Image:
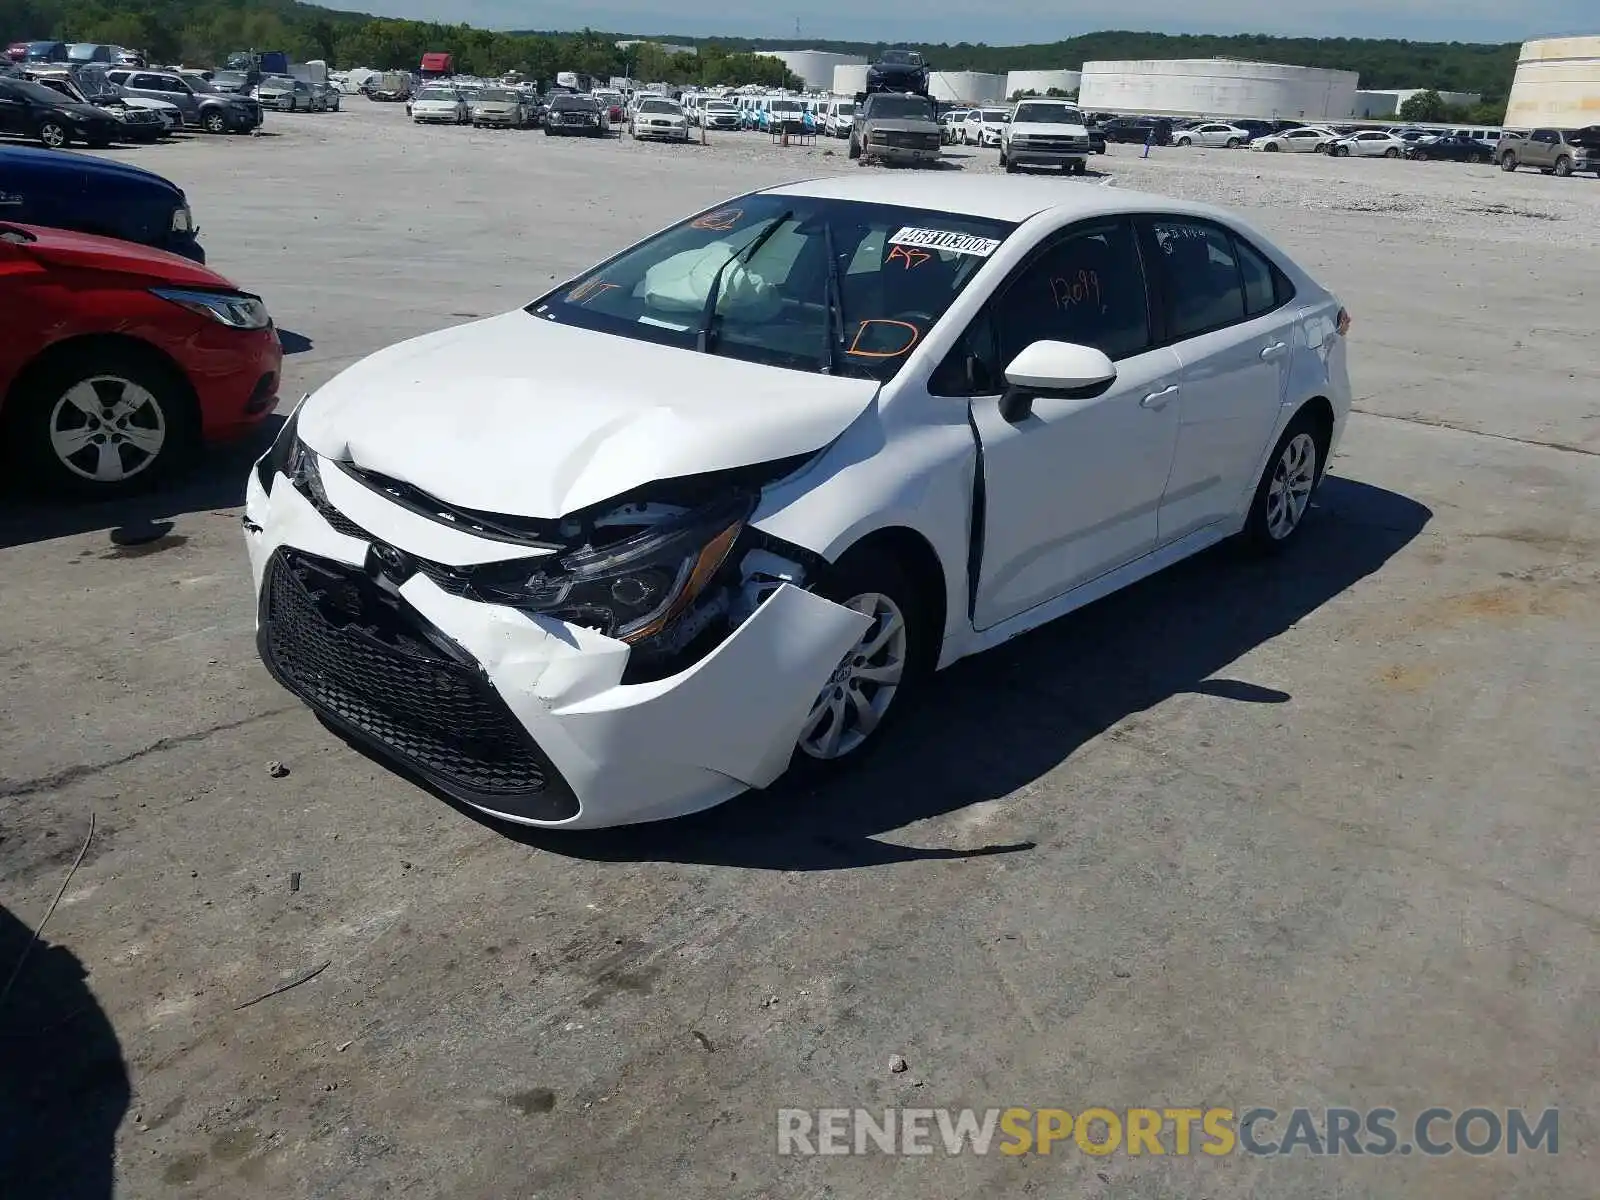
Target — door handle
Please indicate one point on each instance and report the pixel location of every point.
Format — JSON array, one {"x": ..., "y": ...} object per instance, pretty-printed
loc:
[
  {"x": 1159, "y": 400},
  {"x": 1275, "y": 349}
]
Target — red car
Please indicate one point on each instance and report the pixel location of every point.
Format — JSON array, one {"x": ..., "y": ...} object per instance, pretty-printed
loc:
[{"x": 118, "y": 360}]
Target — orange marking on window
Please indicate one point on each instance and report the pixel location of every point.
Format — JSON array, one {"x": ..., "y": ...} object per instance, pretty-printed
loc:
[
  {"x": 862, "y": 328},
  {"x": 720, "y": 221},
  {"x": 1069, "y": 293},
  {"x": 911, "y": 257}
]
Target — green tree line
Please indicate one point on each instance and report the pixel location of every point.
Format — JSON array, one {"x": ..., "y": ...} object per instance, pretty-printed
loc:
[{"x": 206, "y": 31}]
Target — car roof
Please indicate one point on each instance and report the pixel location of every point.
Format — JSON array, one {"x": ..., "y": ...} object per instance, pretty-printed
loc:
[{"x": 999, "y": 198}]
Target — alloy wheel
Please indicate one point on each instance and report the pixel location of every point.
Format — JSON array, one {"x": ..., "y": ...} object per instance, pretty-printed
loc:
[
  {"x": 853, "y": 702},
  {"x": 107, "y": 429},
  {"x": 1290, "y": 490},
  {"x": 53, "y": 135}
]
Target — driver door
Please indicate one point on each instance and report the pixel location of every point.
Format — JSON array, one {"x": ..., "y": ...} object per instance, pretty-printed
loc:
[{"x": 1072, "y": 489}]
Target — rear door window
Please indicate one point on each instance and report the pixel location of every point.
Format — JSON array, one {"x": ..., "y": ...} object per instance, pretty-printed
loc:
[{"x": 1202, "y": 283}]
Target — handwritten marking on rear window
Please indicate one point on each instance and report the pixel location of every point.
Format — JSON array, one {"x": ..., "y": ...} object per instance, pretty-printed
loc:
[
  {"x": 946, "y": 240},
  {"x": 1071, "y": 292},
  {"x": 720, "y": 221},
  {"x": 909, "y": 255}
]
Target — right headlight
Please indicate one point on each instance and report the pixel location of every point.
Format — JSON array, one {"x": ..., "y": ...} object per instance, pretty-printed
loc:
[
  {"x": 633, "y": 588},
  {"x": 236, "y": 310}
]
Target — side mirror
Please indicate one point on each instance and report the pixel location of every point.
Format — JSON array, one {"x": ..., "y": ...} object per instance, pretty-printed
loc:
[{"x": 1064, "y": 370}]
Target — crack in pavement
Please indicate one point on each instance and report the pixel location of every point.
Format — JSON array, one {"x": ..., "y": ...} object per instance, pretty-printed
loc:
[
  {"x": 12, "y": 789},
  {"x": 1435, "y": 423}
]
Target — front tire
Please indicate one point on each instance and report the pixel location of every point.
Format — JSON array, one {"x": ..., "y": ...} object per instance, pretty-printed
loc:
[
  {"x": 1563, "y": 166},
  {"x": 1391, "y": 152},
  {"x": 1270, "y": 148},
  {"x": 1508, "y": 161},
  {"x": 877, "y": 678},
  {"x": 1185, "y": 142},
  {"x": 855, "y": 148},
  {"x": 102, "y": 424},
  {"x": 53, "y": 135},
  {"x": 1283, "y": 495},
  {"x": 214, "y": 122}
]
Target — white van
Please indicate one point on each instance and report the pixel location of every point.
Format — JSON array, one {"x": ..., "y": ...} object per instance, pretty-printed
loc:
[{"x": 838, "y": 117}]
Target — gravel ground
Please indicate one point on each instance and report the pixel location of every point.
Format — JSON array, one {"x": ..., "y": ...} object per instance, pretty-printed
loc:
[{"x": 1314, "y": 833}]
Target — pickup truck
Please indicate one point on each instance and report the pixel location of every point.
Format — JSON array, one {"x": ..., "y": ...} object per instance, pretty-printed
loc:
[
  {"x": 896, "y": 128},
  {"x": 1553, "y": 151},
  {"x": 1045, "y": 133}
]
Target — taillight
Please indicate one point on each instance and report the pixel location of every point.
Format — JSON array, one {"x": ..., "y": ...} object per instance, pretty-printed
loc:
[{"x": 1344, "y": 322}]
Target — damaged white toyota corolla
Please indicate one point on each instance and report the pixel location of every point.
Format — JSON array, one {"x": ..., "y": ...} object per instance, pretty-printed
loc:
[{"x": 724, "y": 501}]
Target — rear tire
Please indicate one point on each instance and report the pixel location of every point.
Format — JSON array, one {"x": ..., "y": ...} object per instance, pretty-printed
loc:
[
  {"x": 1283, "y": 496},
  {"x": 1270, "y": 148},
  {"x": 53, "y": 135},
  {"x": 62, "y": 445},
  {"x": 1508, "y": 161},
  {"x": 1233, "y": 143}
]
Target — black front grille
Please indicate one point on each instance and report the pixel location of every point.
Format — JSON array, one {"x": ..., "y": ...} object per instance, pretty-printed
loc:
[
  {"x": 912, "y": 141},
  {"x": 368, "y": 661},
  {"x": 1035, "y": 141}
]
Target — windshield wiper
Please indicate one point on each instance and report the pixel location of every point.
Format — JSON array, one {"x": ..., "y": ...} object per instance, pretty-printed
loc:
[
  {"x": 833, "y": 316},
  {"x": 708, "y": 314}
]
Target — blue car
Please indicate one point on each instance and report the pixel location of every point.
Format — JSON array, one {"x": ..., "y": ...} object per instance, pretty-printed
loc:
[{"x": 96, "y": 195}]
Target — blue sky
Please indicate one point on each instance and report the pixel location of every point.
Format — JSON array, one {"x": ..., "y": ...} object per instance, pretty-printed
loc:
[{"x": 1008, "y": 22}]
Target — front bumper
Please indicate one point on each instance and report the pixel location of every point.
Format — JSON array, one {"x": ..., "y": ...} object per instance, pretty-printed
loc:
[
  {"x": 521, "y": 717},
  {"x": 916, "y": 155},
  {"x": 235, "y": 374},
  {"x": 663, "y": 133}
]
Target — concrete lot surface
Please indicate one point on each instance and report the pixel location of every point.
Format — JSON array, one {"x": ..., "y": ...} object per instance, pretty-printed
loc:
[{"x": 1316, "y": 832}]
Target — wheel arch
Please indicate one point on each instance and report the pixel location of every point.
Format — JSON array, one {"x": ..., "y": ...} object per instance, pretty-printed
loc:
[
  {"x": 99, "y": 343},
  {"x": 1319, "y": 409},
  {"x": 913, "y": 552}
]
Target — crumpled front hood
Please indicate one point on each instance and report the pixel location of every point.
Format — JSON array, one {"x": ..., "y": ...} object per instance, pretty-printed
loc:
[{"x": 521, "y": 416}]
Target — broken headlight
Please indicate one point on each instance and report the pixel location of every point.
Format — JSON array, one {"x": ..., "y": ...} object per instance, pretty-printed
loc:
[{"x": 633, "y": 588}]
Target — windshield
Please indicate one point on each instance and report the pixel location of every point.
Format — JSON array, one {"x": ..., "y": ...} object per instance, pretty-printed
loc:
[
  {"x": 659, "y": 106},
  {"x": 437, "y": 94},
  {"x": 784, "y": 106},
  {"x": 897, "y": 271},
  {"x": 569, "y": 103},
  {"x": 995, "y": 116},
  {"x": 94, "y": 82},
  {"x": 498, "y": 95},
  {"x": 902, "y": 107},
  {"x": 1059, "y": 114},
  {"x": 901, "y": 58},
  {"x": 845, "y": 110},
  {"x": 199, "y": 83}
]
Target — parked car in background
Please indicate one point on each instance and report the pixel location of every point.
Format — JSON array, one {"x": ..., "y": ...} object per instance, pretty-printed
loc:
[
  {"x": 202, "y": 104},
  {"x": 1450, "y": 148},
  {"x": 1305, "y": 139},
  {"x": 837, "y": 118},
  {"x": 121, "y": 360},
  {"x": 139, "y": 124},
  {"x": 615, "y": 106},
  {"x": 896, "y": 127},
  {"x": 325, "y": 97},
  {"x": 93, "y": 52},
  {"x": 1157, "y": 131},
  {"x": 440, "y": 104},
  {"x": 500, "y": 107},
  {"x": 1212, "y": 133},
  {"x": 285, "y": 94},
  {"x": 232, "y": 83},
  {"x": 898, "y": 70},
  {"x": 983, "y": 126},
  {"x": 573, "y": 115},
  {"x": 92, "y": 194},
  {"x": 31, "y": 110},
  {"x": 719, "y": 507},
  {"x": 663, "y": 120},
  {"x": 719, "y": 114},
  {"x": 1368, "y": 143},
  {"x": 1045, "y": 133},
  {"x": 45, "y": 51},
  {"x": 950, "y": 124},
  {"x": 1553, "y": 151}
]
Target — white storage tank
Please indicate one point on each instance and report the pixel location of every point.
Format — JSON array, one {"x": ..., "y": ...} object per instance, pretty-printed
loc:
[
  {"x": 1557, "y": 85},
  {"x": 966, "y": 87},
  {"x": 815, "y": 67},
  {"x": 849, "y": 80},
  {"x": 1217, "y": 87},
  {"x": 1042, "y": 82}
]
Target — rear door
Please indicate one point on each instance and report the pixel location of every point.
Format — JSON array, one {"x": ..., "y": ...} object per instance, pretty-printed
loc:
[{"x": 1227, "y": 313}]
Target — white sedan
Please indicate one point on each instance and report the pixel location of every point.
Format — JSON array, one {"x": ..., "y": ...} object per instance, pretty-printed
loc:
[
  {"x": 714, "y": 510},
  {"x": 1308, "y": 139},
  {"x": 1212, "y": 133},
  {"x": 662, "y": 119},
  {"x": 440, "y": 106},
  {"x": 1368, "y": 143}
]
